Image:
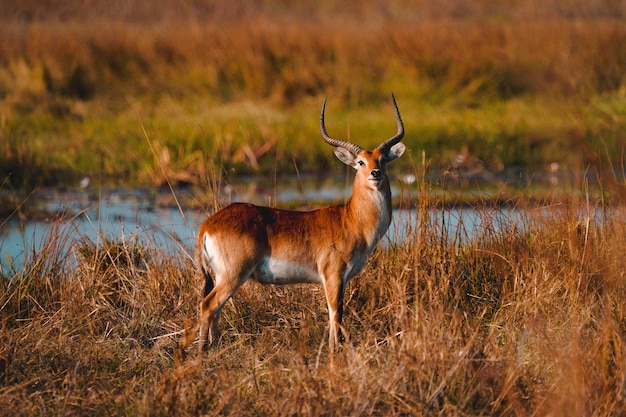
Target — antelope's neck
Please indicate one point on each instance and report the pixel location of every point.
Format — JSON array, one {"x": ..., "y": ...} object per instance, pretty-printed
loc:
[{"x": 371, "y": 210}]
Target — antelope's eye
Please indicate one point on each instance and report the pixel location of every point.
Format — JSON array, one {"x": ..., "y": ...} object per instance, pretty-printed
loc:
[{"x": 361, "y": 163}]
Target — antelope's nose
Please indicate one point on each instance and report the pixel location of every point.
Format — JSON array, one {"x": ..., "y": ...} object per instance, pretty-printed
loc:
[{"x": 376, "y": 174}]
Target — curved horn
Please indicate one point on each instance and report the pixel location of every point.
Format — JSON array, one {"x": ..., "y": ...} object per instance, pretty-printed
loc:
[
  {"x": 334, "y": 142},
  {"x": 386, "y": 145}
]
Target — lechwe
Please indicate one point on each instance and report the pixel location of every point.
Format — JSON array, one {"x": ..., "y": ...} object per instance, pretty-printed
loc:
[{"x": 328, "y": 246}]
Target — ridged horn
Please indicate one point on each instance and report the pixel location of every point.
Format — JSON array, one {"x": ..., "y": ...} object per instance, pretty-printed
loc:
[
  {"x": 354, "y": 149},
  {"x": 386, "y": 145}
]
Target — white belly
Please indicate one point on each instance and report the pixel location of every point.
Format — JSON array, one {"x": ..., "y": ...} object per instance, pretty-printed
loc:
[{"x": 277, "y": 271}]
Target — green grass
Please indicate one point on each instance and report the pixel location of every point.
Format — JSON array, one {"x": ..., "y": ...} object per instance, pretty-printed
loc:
[{"x": 530, "y": 133}]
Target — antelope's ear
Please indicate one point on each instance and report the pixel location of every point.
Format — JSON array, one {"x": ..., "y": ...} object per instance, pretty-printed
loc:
[
  {"x": 345, "y": 156},
  {"x": 395, "y": 152}
]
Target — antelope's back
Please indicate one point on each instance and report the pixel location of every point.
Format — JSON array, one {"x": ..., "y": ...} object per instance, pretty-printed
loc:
[{"x": 240, "y": 222}]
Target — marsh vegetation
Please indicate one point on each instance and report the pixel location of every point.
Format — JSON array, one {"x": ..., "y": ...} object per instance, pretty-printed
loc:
[
  {"x": 527, "y": 317},
  {"x": 138, "y": 93}
]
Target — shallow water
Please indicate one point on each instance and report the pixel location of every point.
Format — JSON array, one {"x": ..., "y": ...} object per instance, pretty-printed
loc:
[
  {"x": 117, "y": 215},
  {"x": 137, "y": 216}
]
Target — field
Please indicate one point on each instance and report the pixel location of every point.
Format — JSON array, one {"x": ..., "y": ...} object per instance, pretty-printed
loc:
[
  {"x": 86, "y": 89},
  {"x": 524, "y": 318}
]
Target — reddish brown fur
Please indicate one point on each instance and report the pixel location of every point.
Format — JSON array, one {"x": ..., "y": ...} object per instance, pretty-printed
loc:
[{"x": 327, "y": 246}]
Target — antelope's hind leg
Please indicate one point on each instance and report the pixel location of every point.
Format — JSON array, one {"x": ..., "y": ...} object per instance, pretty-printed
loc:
[
  {"x": 211, "y": 308},
  {"x": 202, "y": 275}
]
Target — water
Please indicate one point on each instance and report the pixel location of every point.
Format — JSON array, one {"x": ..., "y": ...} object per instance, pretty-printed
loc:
[
  {"x": 117, "y": 215},
  {"x": 138, "y": 216}
]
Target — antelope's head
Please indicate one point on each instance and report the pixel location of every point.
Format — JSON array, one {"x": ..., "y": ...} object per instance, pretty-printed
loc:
[{"x": 370, "y": 165}]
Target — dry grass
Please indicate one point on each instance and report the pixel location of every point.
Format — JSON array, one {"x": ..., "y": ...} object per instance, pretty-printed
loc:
[
  {"x": 291, "y": 54},
  {"x": 527, "y": 318}
]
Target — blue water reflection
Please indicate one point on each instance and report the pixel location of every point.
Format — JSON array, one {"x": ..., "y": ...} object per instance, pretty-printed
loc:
[{"x": 124, "y": 215}]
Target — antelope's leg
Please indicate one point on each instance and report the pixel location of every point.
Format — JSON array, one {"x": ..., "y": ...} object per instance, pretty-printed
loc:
[
  {"x": 211, "y": 307},
  {"x": 334, "y": 288}
]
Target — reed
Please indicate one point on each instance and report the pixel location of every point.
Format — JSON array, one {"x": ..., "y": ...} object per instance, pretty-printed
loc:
[
  {"x": 524, "y": 317},
  {"x": 518, "y": 85}
]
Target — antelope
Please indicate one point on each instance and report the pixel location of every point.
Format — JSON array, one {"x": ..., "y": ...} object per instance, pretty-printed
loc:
[{"x": 327, "y": 246}]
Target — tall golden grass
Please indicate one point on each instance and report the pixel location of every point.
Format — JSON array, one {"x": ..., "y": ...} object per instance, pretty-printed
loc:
[
  {"x": 524, "y": 318},
  {"x": 292, "y": 54}
]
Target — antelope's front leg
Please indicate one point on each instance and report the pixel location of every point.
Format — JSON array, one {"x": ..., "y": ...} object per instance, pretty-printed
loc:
[{"x": 334, "y": 289}]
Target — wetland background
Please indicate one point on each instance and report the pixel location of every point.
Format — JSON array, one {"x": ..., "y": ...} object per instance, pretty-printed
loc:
[
  {"x": 514, "y": 103},
  {"x": 137, "y": 93}
]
